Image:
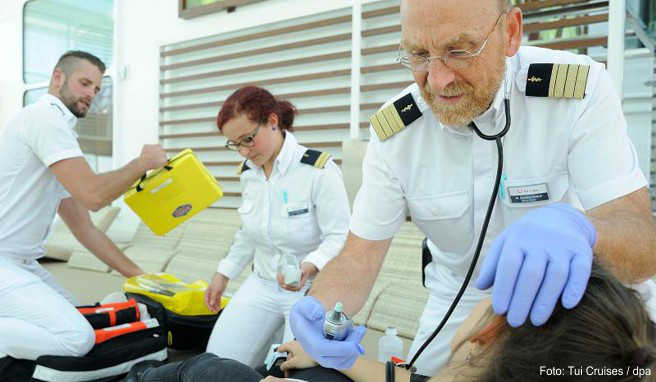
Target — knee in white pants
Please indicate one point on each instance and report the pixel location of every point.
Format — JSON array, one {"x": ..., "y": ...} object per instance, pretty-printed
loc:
[{"x": 77, "y": 341}]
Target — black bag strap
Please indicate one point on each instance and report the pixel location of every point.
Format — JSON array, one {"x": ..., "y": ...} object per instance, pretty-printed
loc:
[{"x": 144, "y": 176}]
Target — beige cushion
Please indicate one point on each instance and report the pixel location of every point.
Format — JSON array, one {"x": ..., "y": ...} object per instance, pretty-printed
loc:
[
  {"x": 205, "y": 240},
  {"x": 410, "y": 231},
  {"x": 60, "y": 249},
  {"x": 364, "y": 314},
  {"x": 149, "y": 259},
  {"x": 402, "y": 263},
  {"x": 398, "y": 298},
  {"x": 83, "y": 259},
  {"x": 103, "y": 218},
  {"x": 146, "y": 238},
  {"x": 219, "y": 216},
  {"x": 191, "y": 269},
  {"x": 401, "y": 306},
  {"x": 61, "y": 242}
]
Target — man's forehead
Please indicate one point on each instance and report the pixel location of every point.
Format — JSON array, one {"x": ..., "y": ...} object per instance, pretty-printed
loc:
[
  {"x": 434, "y": 24},
  {"x": 413, "y": 43},
  {"x": 82, "y": 65},
  {"x": 435, "y": 13},
  {"x": 465, "y": 6},
  {"x": 87, "y": 70}
]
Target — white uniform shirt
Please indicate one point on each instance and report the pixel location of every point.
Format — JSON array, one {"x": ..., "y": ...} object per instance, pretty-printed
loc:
[
  {"x": 38, "y": 136},
  {"x": 310, "y": 222},
  {"x": 559, "y": 150}
]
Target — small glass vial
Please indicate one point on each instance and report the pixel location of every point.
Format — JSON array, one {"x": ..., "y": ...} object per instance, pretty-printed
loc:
[
  {"x": 337, "y": 325},
  {"x": 289, "y": 269}
]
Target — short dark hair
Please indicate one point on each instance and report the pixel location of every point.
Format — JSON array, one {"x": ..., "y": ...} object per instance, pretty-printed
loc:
[{"x": 68, "y": 60}]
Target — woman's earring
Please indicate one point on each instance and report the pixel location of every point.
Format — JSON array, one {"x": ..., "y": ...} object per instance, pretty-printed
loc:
[{"x": 274, "y": 127}]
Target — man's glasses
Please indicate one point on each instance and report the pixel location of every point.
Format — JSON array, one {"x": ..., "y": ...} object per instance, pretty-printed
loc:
[
  {"x": 247, "y": 141},
  {"x": 456, "y": 59}
]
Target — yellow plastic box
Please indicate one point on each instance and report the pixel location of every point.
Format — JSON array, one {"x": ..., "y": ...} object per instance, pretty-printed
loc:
[
  {"x": 171, "y": 195},
  {"x": 186, "y": 299}
]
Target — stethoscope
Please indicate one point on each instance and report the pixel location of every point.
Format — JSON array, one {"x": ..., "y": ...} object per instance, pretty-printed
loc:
[{"x": 495, "y": 191}]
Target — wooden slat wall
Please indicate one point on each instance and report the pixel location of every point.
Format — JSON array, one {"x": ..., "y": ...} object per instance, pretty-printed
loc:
[
  {"x": 307, "y": 61},
  {"x": 577, "y": 25},
  {"x": 381, "y": 77}
]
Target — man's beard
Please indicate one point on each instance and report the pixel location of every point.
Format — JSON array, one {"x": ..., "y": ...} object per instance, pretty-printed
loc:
[
  {"x": 474, "y": 101},
  {"x": 71, "y": 102}
]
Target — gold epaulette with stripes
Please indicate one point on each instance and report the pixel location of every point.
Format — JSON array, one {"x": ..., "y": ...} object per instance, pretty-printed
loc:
[
  {"x": 242, "y": 167},
  {"x": 557, "y": 80},
  {"x": 395, "y": 117},
  {"x": 315, "y": 158}
]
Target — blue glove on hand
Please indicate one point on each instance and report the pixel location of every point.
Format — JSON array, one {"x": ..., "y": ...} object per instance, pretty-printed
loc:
[
  {"x": 546, "y": 253},
  {"x": 306, "y": 320}
]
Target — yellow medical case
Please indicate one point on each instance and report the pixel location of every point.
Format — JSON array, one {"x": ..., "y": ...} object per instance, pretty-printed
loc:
[
  {"x": 173, "y": 194},
  {"x": 186, "y": 299},
  {"x": 187, "y": 319}
]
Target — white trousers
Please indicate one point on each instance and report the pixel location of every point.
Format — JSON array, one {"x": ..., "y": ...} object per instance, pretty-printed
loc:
[
  {"x": 37, "y": 315},
  {"x": 246, "y": 327}
]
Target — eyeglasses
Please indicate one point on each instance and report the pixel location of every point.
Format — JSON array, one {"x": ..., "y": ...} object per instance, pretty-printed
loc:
[
  {"x": 457, "y": 59},
  {"x": 247, "y": 141}
]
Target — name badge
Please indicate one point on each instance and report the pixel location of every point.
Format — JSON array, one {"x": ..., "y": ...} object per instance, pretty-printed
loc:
[
  {"x": 297, "y": 212},
  {"x": 296, "y": 209},
  {"x": 529, "y": 194}
]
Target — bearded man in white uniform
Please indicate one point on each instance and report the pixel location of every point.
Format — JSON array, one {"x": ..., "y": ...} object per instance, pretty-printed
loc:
[
  {"x": 571, "y": 187},
  {"x": 43, "y": 172}
]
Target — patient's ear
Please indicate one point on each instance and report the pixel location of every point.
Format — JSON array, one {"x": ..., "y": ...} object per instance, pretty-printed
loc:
[{"x": 477, "y": 320}]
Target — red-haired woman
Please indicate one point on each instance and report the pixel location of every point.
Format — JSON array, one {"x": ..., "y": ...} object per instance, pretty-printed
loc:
[{"x": 294, "y": 204}]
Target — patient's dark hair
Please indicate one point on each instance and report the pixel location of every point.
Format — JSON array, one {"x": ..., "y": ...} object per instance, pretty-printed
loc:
[{"x": 608, "y": 332}]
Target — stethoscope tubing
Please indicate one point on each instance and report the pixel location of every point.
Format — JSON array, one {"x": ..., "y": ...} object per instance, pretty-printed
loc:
[{"x": 495, "y": 191}]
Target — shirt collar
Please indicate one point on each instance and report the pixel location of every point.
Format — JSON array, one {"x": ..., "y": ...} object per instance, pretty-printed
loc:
[
  {"x": 287, "y": 153},
  {"x": 70, "y": 119}
]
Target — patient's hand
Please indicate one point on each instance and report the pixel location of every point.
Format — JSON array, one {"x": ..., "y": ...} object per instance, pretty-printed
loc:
[{"x": 297, "y": 358}]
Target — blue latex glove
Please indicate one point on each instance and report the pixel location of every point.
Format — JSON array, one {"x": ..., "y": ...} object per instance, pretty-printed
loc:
[
  {"x": 546, "y": 253},
  {"x": 306, "y": 320}
]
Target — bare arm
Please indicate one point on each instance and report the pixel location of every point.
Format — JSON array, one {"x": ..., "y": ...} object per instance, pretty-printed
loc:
[
  {"x": 349, "y": 277},
  {"x": 363, "y": 370},
  {"x": 77, "y": 218},
  {"x": 95, "y": 191},
  {"x": 626, "y": 236},
  {"x": 366, "y": 370}
]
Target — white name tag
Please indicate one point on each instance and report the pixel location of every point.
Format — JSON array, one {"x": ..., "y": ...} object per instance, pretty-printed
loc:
[
  {"x": 528, "y": 194},
  {"x": 296, "y": 209}
]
